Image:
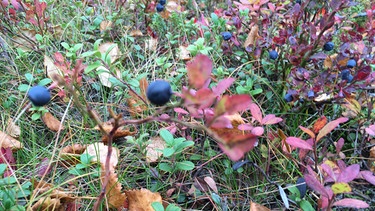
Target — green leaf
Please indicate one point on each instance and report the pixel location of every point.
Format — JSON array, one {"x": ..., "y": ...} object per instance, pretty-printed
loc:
[
  {"x": 35, "y": 116},
  {"x": 17, "y": 208},
  {"x": 44, "y": 82},
  {"x": 92, "y": 66},
  {"x": 86, "y": 158},
  {"x": 81, "y": 166},
  {"x": 88, "y": 53},
  {"x": 38, "y": 37},
  {"x": 65, "y": 45},
  {"x": 216, "y": 198},
  {"x": 166, "y": 136},
  {"x": 214, "y": 18},
  {"x": 306, "y": 206},
  {"x": 172, "y": 207},
  {"x": 256, "y": 91},
  {"x": 97, "y": 43},
  {"x": 157, "y": 206},
  {"x": 2, "y": 168},
  {"x": 75, "y": 171},
  {"x": 77, "y": 47},
  {"x": 185, "y": 165},
  {"x": 167, "y": 152},
  {"x": 7, "y": 181},
  {"x": 183, "y": 145},
  {"x": 165, "y": 167},
  {"x": 29, "y": 77}
]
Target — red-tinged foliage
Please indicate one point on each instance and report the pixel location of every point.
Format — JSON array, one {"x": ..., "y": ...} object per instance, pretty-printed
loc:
[
  {"x": 7, "y": 154},
  {"x": 222, "y": 86},
  {"x": 368, "y": 176},
  {"x": 255, "y": 112},
  {"x": 353, "y": 203},
  {"x": 314, "y": 184},
  {"x": 362, "y": 74},
  {"x": 339, "y": 145},
  {"x": 243, "y": 144},
  {"x": 271, "y": 119},
  {"x": 349, "y": 173},
  {"x": 298, "y": 143},
  {"x": 329, "y": 127},
  {"x": 319, "y": 124},
  {"x": 199, "y": 71},
  {"x": 308, "y": 131}
]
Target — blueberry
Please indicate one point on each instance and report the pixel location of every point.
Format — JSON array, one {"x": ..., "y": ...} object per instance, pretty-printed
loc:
[
  {"x": 301, "y": 185},
  {"x": 288, "y": 97},
  {"x": 226, "y": 35},
  {"x": 159, "y": 92},
  {"x": 311, "y": 94},
  {"x": 162, "y": 2},
  {"x": 39, "y": 95},
  {"x": 328, "y": 46},
  {"x": 351, "y": 63},
  {"x": 345, "y": 74},
  {"x": 299, "y": 2},
  {"x": 273, "y": 54},
  {"x": 350, "y": 78},
  {"x": 159, "y": 7}
]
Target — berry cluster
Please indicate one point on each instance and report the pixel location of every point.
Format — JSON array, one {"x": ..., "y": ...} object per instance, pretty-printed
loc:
[{"x": 160, "y": 5}]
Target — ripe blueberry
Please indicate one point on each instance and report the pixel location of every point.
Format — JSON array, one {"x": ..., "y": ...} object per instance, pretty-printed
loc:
[
  {"x": 162, "y": 2},
  {"x": 350, "y": 78},
  {"x": 301, "y": 185},
  {"x": 298, "y": 1},
  {"x": 39, "y": 95},
  {"x": 159, "y": 92},
  {"x": 226, "y": 35},
  {"x": 345, "y": 74},
  {"x": 159, "y": 7},
  {"x": 311, "y": 94},
  {"x": 273, "y": 54},
  {"x": 328, "y": 46},
  {"x": 288, "y": 97},
  {"x": 351, "y": 63}
]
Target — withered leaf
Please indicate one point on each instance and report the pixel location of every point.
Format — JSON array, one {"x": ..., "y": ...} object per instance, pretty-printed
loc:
[
  {"x": 154, "y": 149},
  {"x": 7, "y": 141},
  {"x": 142, "y": 199},
  {"x": 51, "y": 122}
]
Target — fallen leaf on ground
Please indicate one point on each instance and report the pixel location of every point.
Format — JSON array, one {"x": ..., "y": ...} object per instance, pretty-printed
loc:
[
  {"x": 252, "y": 36},
  {"x": 51, "y": 122},
  {"x": 257, "y": 207},
  {"x": 100, "y": 151},
  {"x": 142, "y": 199},
  {"x": 151, "y": 44},
  {"x": 104, "y": 76},
  {"x": 56, "y": 199},
  {"x": 154, "y": 149},
  {"x": 211, "y": 183},
  {"x": 136, "y": 33},
  {"x": 114, "y": 53},
  {"x": 7, "y": 141},
  {"x": 51, "y": 69},
  {"x": 184, "y": 54},
  {"x": 121, "y": 132},
  {"x": 113, "y": 191},
  {"x": 25, "y": 39},
  {"x": 371, "y": 161},
  {"x": 13, "y": 129},
  {"x": 105, "y": 25},
  {"x": 70, "y": 155}
]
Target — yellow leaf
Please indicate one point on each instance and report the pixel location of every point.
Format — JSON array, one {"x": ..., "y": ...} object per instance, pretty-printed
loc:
[
  {"x": 341, "y": 187},
  {"x": 142, "y": 199}
]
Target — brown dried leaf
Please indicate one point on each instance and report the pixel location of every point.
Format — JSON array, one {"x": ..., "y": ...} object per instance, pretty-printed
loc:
[
  {"x": 257, "y": 207},
  {"x": 25, "y": 40},
  {"x": 351, "y": 107},
  {"x": 7, "y": 141},
  {"x": 211, "y": 183},
  {"x": 51, "y": 69},
  {"x": 70, "y": 155},
  {"x": 100, "y": 151},
  {"x": 371, "y": 160},
  {"x": 104, "y": 76},
  {"x": 105, "y": 25},
  {"x": 57, "y": 199},
  {"x": 154, "y": 149},
  {"x": 319, "y": 124},
  {"x": 51, "y": 122},
  {"x": 13, "y": 129},
  {"x": 252, "y": 36},
  {"x": 141, "y": 200},
  {"x": 121, "y": 132},
  {"x": 184, "y": 54},
  {"x": 328, "y": 63},
  {"x": 114, "y": 54},
  {"x": 114, "y": 195},
  {"x": 151, "y": 44},
  {"x": 143, "y": 84},
  {"x": 136, "y": 33},
  {"x": 136, "y": 105}
]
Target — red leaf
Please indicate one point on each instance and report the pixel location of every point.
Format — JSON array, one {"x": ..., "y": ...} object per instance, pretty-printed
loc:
[
  {"x": 349, "y": 173},
  {"x": 314, "y": 184},
  {"x": 362, "y": 74},
  {"x": 368, "y": 176},
  {"x": 236, "y": 103},
  {"x": 42, "y": 168},
  {"x": 222, "y": 86},
  {"x": 255, "y": 112},
  {"x": 238, "y": 150},
  {"x": 330, "y": 126},
  {"x": 258, "y": 131},
  {"x": 339, "y": 145},
  {"x": 308, "y": 131},
  {"x": 319, "y": 124},
  {"x": 199, "y": 70},
  {"x": 15, "y": 4},
  {"x": 370, "y": 130},
  {"x": 354, "y": 203},
  {"x": 299, "y": 143},
  {"x": 245, "y": 127},
  {"x": 271, "y": 119},
  {"x": 180, "y": 111},
  {"x": 222, "y": 122}
]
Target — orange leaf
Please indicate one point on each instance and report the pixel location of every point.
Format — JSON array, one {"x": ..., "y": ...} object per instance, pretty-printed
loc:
[
  {"x": 319, "y": 124},
  {"x": 308, "y": 131},
  {"x": 257, "y": 207},
  {"x": 329, "y": 127},
  {"x": 51, "y": 122},
  {"x": 121, "y": 132},
  {"x": 142, "y": 199},
  {"x": 252, "y": 36}
]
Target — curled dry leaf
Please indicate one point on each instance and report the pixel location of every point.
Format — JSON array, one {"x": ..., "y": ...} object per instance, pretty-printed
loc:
[
  {"x": 136, "y": 33},
  {"x": 136, "y": 105},
  {"x": 154, "y": 149},
  {"x": 184, "y": 54},
  {"x": 211, "y": 183},
  {"x": 114, "y": 195},
  {"x": 114, "y": 54},
  {"x": 104, "y": 76},
  {"x": 25, "y": 39},
  {"x": 151, "y": 44},
  {"x": 142, "y": 199},
  {"x": 105, "y": 25},
  {"x": 55, "y": 199},
  {"x": 13, "y": 129},
  {"x": 51, "y": 122},
  {"x": 7, "y": 141},
  {"x": 51, "y": 69},
  {"x": 121, "y": 132},
  {"x": 252, "y": 36},
  {"x": 100, "y": 151},
  {"x": 257, "y": 207},
  {"x": 328, "y": 62},
  {"x": 70, "y": 155}
]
